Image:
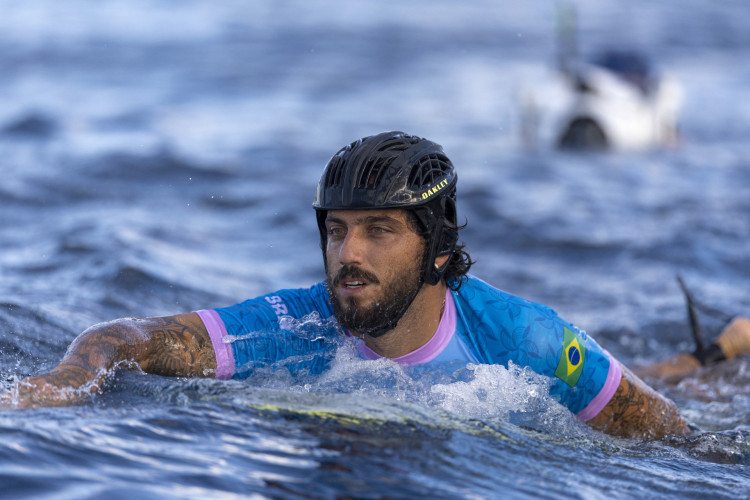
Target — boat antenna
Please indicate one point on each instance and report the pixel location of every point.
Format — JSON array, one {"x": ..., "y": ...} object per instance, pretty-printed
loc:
[{"x": 567, "y": 38}]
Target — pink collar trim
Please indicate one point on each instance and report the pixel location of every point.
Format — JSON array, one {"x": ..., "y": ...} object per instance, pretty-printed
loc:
[{"x": 433, "y": 347}]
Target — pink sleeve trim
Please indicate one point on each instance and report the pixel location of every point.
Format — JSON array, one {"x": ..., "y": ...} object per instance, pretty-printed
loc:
[
  {"x": 217, "y": 331},
  {"x": 614, "y": 375}
]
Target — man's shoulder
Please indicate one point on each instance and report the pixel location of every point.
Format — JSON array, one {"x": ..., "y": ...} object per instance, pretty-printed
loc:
[
  {"x": 315, "y": 296},
  {"x": 474, "y": 287},
  {"x": 478, "y": 294},
  {"x": 286, "y": 301},
  {"x": 316, "y": 290}
]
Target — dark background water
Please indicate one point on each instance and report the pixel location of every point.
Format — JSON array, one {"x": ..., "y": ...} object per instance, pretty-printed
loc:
[{"x": 160, "y": 156}]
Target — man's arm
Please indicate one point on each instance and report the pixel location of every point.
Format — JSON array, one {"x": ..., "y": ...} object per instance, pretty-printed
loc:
[
  {"x": 638, "y": 411},
  {"x": 172, "y": 346}
]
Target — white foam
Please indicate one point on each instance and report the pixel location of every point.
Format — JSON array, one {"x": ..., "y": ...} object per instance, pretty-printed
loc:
[{"x": 384, "y": 389}]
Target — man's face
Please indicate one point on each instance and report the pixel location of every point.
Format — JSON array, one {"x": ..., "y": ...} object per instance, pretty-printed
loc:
[{"x": 373, "y": 262}]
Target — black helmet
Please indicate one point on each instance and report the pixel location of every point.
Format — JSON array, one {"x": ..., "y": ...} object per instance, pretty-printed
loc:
[{"x": 395, "y": 170}]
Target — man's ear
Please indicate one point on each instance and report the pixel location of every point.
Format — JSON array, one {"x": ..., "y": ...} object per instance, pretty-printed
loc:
[{"x": 440, "y": 260}]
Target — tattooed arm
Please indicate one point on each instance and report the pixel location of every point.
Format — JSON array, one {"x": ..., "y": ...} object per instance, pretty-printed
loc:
[
  {"x": 638, "y": 411},
  {"x": 173, "y": 346}
]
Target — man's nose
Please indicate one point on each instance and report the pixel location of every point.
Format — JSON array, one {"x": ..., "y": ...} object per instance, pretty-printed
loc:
[{"x": 352, "y": 248}]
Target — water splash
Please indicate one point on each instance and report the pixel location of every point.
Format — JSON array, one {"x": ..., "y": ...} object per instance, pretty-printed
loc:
[
  {"x": 20, "y": 393},
  {"x": 385, "y": 389},
  {"x": 309, "y": 327}
]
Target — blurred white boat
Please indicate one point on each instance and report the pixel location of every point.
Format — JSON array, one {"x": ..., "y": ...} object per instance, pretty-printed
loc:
[{"x": 615, "y": 103}]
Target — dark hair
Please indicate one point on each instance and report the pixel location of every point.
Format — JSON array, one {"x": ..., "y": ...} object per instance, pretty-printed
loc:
[{"x": 459, "y": 262}]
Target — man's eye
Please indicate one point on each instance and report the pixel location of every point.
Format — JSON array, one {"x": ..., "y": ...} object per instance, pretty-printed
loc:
[{"x": 335, "y": 231}]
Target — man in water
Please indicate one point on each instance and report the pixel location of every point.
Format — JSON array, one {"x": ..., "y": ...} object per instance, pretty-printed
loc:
[{"x": 397, "y": 284}]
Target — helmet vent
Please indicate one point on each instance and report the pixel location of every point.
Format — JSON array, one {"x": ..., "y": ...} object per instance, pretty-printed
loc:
[
  {"x": 428, "y": 170},
  {"x": 334, "y": 172},
  {"x": 373, "y": 172},
  {"x": 378, "y": 165}
]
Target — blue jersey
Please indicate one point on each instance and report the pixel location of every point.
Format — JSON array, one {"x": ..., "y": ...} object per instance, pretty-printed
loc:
[{"x": 480, "y": 324}]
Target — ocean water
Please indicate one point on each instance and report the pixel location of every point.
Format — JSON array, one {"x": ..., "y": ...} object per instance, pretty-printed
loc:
[{"x": 158, "y": 157}]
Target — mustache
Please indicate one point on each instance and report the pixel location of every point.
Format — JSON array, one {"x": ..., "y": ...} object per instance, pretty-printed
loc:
[{"x": 352, "y": 271}]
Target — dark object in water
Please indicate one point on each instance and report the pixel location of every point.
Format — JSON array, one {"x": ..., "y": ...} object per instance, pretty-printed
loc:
[
  {"x": 707, "y": 355},
  {"x": 629, "y": 65},
  {"x": 31, "y": 125},
  {"x": 583, "y": 133}
]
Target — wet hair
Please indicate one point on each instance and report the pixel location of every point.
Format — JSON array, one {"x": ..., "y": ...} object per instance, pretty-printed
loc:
[{"x": 459, "y": 262}]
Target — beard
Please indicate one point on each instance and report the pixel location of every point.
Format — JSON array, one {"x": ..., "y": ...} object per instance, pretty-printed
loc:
[{"x": 385, "y": 311}]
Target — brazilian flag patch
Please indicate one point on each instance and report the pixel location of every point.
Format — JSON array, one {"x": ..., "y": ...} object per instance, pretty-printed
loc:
[{"x": 570, "y": 367}]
